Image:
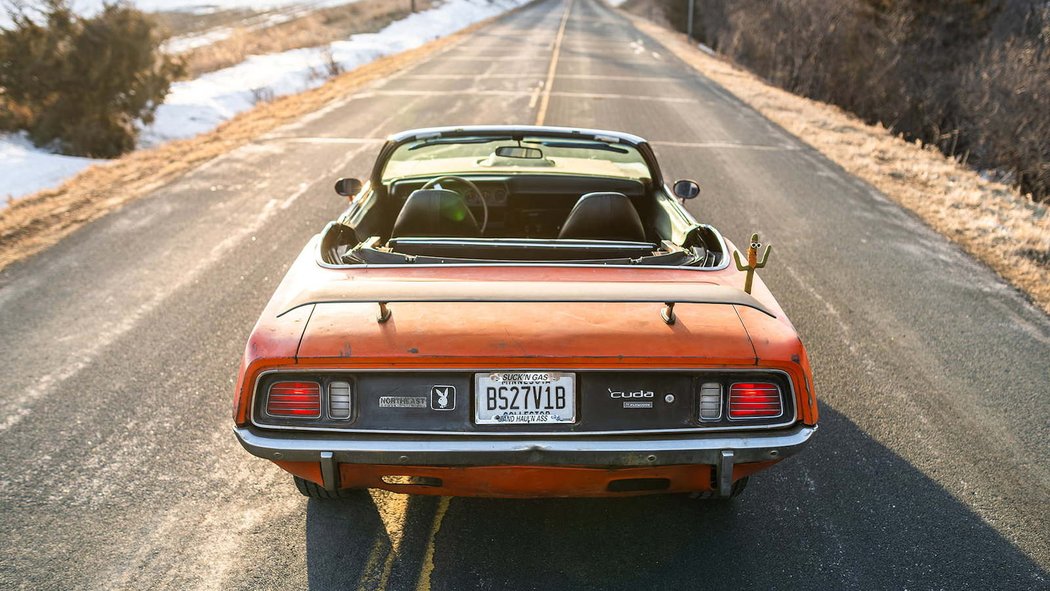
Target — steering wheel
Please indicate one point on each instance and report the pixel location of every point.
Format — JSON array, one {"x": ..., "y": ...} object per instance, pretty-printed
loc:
[{"x": 481, "y": 197}]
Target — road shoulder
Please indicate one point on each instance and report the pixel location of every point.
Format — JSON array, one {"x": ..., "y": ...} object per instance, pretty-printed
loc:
[
  {"x": 993, "y": 223},
  {"x": 33, "y": 223}
]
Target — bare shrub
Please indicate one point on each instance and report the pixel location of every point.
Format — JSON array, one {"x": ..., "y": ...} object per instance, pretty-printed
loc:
[
  {"x": 330, "y": 67},
  {"x": 1005, "y": 94},
  {"x": 82, "y": 83},
  {"x": 262, "y": 94},
  {"x": 968, "y": 76}
]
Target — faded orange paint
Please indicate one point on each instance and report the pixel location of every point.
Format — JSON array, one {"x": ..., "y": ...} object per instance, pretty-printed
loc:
[
  {"x": 307, "y": 470},
  {"x": 523, "y": 336},
  {"x": 534, "y": 481}
]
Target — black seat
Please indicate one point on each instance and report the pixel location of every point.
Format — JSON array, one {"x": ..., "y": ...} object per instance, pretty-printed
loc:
[
  {"x": 604, "y": 216},
  {"x": 435, "y": 213}
]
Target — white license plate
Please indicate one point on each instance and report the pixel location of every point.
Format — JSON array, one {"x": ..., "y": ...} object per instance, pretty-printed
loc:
[{"x": 524, "y": 398}]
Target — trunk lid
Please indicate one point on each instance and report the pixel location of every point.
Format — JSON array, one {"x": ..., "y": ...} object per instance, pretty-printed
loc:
[{"x": 524, "y": 334}]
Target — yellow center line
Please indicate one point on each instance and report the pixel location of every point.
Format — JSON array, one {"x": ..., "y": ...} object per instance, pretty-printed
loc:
[
  {"x": 369, "y": 573},
  {"x": 392, "y": 509},
  {"x": 545, "y": 99},
  {"x": 388, "y": 567},
  {"x": 423, "y": 584}
]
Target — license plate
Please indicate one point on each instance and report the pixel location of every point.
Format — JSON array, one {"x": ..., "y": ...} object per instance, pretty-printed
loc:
[{"x": 524, "y": 398}]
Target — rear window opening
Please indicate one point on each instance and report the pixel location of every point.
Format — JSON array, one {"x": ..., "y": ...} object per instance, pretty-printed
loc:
[
  {"x": 506, "y": 197},
  {"x": 436, "y": 251},
  {"x": 339, "y": 246}
]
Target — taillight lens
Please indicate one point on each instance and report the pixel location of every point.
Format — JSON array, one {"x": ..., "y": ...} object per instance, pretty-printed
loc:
[
  {"x": 710, "y": 401},
  {"x": 755, "y": 401},
  {"x": 294, "y": 399},
  {"x": 339, "y": 400}
]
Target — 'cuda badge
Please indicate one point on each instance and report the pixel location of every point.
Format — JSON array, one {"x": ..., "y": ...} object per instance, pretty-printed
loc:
[{"x": 635, "y": 394}]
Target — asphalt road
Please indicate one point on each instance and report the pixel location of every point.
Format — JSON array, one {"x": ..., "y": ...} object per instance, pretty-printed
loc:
[{"x": 120, "y": 346}]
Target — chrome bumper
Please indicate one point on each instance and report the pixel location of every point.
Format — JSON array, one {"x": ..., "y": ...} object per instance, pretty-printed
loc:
[{"x": 721, "y": 450}]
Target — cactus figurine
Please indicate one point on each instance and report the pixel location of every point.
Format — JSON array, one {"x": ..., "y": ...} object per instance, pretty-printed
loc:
[{"x": 752, "y": 261}]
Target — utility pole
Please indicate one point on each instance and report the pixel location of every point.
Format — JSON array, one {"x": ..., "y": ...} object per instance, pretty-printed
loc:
[{"x": 689, "y": 25}]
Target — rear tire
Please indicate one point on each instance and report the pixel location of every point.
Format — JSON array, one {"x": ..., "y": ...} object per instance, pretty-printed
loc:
[
  {"x": 736, "y": 491},
  {"x": 316, "y": 491},
  {"x": 738, "y": 487}
]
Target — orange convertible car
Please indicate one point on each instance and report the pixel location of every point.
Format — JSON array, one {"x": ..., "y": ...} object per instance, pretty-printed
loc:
[{"x": 522, "y": 311}]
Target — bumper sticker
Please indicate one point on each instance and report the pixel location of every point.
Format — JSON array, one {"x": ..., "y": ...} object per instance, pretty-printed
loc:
[{"x": 402, "y": 402}]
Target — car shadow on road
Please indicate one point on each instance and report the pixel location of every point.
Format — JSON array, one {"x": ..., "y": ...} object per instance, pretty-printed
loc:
[
  {"x": 846, "y": 513},
  {"x": 370, "y": 541},
  {"x": 339, "y": 538}
]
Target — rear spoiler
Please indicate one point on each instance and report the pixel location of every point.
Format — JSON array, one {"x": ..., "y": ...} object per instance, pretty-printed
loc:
[{"x": 388, "y": 292}]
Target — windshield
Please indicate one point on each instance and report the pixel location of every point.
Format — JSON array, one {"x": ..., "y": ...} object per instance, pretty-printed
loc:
[{"x": 505, "y": 155}]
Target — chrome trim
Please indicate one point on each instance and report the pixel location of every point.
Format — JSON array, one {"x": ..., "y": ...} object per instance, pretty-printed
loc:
[
  {"x": 350, "y": 291},
  {"x": 506, "y": 434},
  {"x": 472, "y": 130},
  {"x": 530, "y": 265},
  {"x": 608, "y": 452},
  {"x": 329, "y": 475},
  {"x": 395, "y": 141},
  {"x": 727, "y": 256},
  {"x": 686, "y": 215},
  {"x": 725, "y": 473},
  {"x": 552, "y": 244}
]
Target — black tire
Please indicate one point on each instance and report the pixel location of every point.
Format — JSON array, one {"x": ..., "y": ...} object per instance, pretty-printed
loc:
[
  {"x": 316, "y": 491},
  {"x": 736, "y": 491},
  {"x": 738, "y": 487}
]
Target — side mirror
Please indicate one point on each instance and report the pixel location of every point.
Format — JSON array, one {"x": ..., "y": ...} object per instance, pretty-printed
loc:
[
  {"x": 348, "y": 187},
  {"x": 686, "y": 189}
]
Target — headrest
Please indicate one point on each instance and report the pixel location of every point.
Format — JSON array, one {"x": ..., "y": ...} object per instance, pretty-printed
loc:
[
  {"x": 435, "y": 213},
  {"x": 604, "y": 216}
]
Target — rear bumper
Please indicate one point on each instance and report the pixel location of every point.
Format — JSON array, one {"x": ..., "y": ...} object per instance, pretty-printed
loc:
[{"x": 720, "y": 450}]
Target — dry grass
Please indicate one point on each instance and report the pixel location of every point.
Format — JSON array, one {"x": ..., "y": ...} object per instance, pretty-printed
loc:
[
  {"x": 316, "y": 28},
  {"x": 183, "y": 22},
  {"x": 1007, "y": 231},
  {"x": 30, "y": 224}
]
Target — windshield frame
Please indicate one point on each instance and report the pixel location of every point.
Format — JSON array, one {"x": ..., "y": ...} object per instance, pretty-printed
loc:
[{"x": 522, "y": 131}]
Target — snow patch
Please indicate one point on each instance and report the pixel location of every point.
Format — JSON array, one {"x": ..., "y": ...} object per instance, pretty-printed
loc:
[
  {"x": 200, "y": 105},
  {"x": 92, "y": 7},
  {"x": 184, "y": 43},
  {"x": 27, "y": 169},
  {"x": 206, "y": 6}
]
